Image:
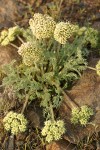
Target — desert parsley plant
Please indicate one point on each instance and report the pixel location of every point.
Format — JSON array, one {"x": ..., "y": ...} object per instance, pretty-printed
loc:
[{"x": 53, "y": 56}]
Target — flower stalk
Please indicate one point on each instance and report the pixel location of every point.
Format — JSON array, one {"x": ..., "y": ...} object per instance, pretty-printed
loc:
[
  {"x": 51, "y": 111},
  {"x": 25, "y": 104}
]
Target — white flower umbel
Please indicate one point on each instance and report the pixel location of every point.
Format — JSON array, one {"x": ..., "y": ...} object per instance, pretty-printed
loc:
[
  {"x": 85, "y": 114},
  {"x": 90, "y": 35},
  {"x": 63, "y": 31},
  {"x": 14, "y": 122},
  {"x": 30, "y": 53},
  {"x": 42, "y": 26},
  {"x": 82, "y": 115},
  {"x": 9, "y": 35},
  {"x": 3, "y": 35},
  {"x": 75, "y": 115},
  {"x": 53, "y": 130}
]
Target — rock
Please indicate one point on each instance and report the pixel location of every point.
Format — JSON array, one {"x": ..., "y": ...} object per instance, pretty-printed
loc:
[
  {"x": 60, "y": 145},
  {"x": 35, "y": 116},
  {"x": 96, "y": 25},
  {"x": 7, "y": 54},
  {"x": 85, "y": 92},
  {"x": 9, "y": 13},
  {"x": 16, "y": 12},
  {"x": 6, "y": 102},
  {"x": 7, "y": 97},
  {"x": 20, "y": 139}
]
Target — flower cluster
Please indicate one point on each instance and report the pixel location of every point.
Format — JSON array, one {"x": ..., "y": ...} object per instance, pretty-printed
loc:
[
  {"x": 75, "y": 115},
  {"x": 81, "y": 116},
  {"x": 81, "y": 30},
  {"x": 3, "y": 35},
  {"x": 90, "y": 35},
  {"x": 63, "y": 31},
  {"x": 9, "y": 35},
  {"x": 42, "y": 26},
  {"x": 53, "y": 130},
  {"x": 30, "y": 53},
  {"x": 98, "y": 68},
  {"x": 15, "y": 122}
]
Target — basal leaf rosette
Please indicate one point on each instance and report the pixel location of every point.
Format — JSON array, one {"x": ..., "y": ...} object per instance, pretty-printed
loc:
[
  {"x": 30, "y": 52},
  {"x": 14, "y": 122},
  {"x": 42, "y": 26},
  {"x": 53, "y": 130},
  {"x": 63, "y": 31}
]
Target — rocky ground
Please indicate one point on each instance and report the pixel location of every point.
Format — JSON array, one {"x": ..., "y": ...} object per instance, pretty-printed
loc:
[{"x": 85, "y": 91}]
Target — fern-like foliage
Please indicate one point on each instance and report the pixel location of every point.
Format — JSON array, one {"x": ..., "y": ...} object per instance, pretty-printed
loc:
[{"x": 58, "y": 65}]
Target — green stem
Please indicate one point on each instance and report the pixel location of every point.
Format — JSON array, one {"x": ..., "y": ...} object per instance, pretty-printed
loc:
[
  {"x": 59, "y": 9},
  {"x": 25, "y": 104},
  {"x": 51, "y": 111},
  {"x": 91, "y": 68},
  {"x": 20, "y": 39},
  {"x": 50, "y": 44},
  {"x": 58, "y": 49},
  {"x": 67, "y": 99},
  {"x": 42, "y": 70},
  {"x": 14, "y": 45}
]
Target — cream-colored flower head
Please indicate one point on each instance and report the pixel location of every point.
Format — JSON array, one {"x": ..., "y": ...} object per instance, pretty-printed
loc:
[
  {"x": 81, "y": 30},
  {"x": 98, "y": 68},
  {"x": 53, "y": 130},
  {"x": 4, "y": 33},
  {"x": 15, "y": 122},
  {"x": 9, "y": 35},
  {"x": 81, "y": 115},
  {"x": 30, "y": 53},
  {"x": 63, "y": 31},
  {"x": 42, "y": 26}
]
